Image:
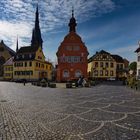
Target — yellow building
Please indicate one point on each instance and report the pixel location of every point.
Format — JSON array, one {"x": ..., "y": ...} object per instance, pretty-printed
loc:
[
  {"x": 5, "y": 54},
  {"x": 8, "y": 69},
  {"x": 120, "y": 66},
  {"x": 103, "y": 65},
  {"x": 29, "y": 62}
]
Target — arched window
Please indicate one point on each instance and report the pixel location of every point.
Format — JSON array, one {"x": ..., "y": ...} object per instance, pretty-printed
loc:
[
  {"x": 78, "y": 73},
  {"x": 65, "y": 73}
]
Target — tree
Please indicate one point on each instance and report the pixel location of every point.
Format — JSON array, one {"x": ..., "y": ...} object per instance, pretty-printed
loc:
[{"x": 133, "y": 66}]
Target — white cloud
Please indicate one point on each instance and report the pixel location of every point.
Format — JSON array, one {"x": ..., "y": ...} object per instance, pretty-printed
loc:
[
  {"x": 126, "y": 52},
  {"x": 125, "y": 49},
  {"x": 9, "y": 32},
  {"x": 55, "y": 12},
  {"x": 17, "y": 16}
]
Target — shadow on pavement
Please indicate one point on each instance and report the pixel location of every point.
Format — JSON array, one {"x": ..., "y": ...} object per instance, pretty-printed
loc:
[{"x": 114, "y": 83}]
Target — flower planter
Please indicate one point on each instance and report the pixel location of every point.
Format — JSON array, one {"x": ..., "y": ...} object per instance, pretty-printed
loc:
[
  {"x": 68, "y": 85},
  {"x": 52, "y": 85}
]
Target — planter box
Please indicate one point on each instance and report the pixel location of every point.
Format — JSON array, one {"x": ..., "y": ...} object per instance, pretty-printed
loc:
[
  {"x": 68, "y": 85},
  {"x": 38, "y": 84},
  {"x": 74, "y": 85},
  {"x": 44, "y": 85},
  {"x": 52, "y": 85},
  {"x": 92, "y": 83}
]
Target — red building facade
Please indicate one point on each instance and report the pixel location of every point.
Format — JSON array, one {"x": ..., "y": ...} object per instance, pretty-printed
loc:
[{"x": 72, "y": 55}]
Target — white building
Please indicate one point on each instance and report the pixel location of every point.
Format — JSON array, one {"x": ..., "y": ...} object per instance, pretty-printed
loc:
[{"x": 138, "y": 61}]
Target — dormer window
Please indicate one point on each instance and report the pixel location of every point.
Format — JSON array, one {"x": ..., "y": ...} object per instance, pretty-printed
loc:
[
  {"x": 39, "y": 57},
  {"x": 30, "y": 55},
  {"x": 104, "y": 57}
]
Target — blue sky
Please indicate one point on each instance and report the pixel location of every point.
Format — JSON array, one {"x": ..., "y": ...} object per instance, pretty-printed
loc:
[{"x": 112, "y": 25}]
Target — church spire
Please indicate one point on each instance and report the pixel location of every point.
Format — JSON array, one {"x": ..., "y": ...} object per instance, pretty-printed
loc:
[
  {"x": 33, "y": 38},
  {"x": 72, "y": 12},
  {"x": 36, "y": 34},
  {"x": 17, "y": 45},
  {"x": 72, "y": 23},
  {"x": 36, "y": 17}
]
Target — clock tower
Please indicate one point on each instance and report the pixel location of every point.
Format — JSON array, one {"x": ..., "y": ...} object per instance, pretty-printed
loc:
[{"x": 72, "y": 55}]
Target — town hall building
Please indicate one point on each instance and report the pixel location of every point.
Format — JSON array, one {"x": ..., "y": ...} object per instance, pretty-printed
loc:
[{"x": 72, "y": 55}]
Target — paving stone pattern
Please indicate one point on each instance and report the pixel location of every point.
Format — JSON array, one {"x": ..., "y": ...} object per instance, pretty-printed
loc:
[{"x": 104, "y": 112}]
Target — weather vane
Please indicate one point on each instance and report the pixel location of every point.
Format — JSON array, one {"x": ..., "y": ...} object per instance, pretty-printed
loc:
[{"x": 72, "y": 11}]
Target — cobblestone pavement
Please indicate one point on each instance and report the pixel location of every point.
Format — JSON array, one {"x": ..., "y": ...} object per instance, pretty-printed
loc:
[{"x": 104, "y": 112}]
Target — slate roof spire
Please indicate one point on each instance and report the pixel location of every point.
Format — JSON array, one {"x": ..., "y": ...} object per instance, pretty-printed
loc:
[{"x": 36, "y": 34}]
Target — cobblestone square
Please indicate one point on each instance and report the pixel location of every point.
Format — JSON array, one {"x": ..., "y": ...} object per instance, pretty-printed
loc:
[{"x": 103, "y": 112}]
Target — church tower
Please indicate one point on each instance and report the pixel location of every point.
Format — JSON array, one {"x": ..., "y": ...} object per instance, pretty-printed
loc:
[{"x": 36, "y": 34}]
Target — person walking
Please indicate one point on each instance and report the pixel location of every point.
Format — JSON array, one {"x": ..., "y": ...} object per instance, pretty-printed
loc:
[{"x": 24, "y": 82}]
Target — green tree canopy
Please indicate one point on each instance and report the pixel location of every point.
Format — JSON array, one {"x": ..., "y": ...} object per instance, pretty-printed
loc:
[{"x": 133, "y": 66}]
